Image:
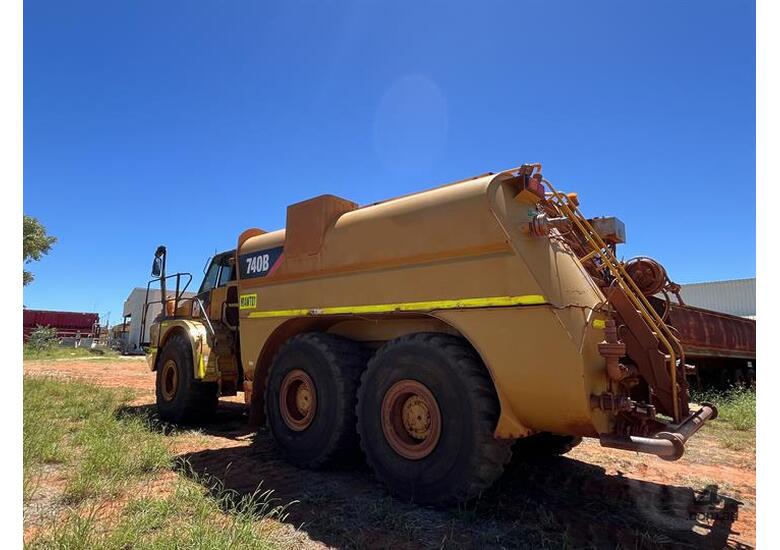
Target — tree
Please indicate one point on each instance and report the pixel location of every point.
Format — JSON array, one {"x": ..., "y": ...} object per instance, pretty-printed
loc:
[{"x": 36, "y": 243}]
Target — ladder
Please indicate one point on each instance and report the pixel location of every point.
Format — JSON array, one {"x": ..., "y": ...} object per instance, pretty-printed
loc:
[{"x": 599, "y": 249}]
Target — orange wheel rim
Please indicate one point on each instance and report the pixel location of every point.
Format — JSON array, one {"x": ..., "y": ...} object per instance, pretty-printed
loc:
[
  {"x": 411, "y": 420},
  {"x": 297, "y": 400},
  {"x": 170, "y": 380}
]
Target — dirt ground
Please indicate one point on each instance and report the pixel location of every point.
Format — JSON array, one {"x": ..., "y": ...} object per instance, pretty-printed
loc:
[{"x": 590, "y": 498}]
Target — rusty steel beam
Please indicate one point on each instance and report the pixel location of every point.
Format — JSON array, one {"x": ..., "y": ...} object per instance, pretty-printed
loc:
[{"x": 705, "y": 333}]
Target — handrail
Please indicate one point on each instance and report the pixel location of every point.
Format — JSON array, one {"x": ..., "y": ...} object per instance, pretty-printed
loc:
[
  {"x": 640, "y": 302},
  {"x": 177, "y": 296},
  {"x": 202, "y": 313}
]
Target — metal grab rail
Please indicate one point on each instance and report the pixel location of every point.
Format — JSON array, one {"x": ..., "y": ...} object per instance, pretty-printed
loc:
[
  {"x": 177, "y": 297},
  {"x": 640, "y": 302},
  {"x": 202, "y": 313}
]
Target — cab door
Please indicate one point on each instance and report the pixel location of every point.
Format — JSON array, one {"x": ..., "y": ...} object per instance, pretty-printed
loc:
[
  {"x": 219, "y": 293},
  {"x": 213, "y": 292}
]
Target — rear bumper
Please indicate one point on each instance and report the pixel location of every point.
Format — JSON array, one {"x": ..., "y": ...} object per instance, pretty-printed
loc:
[{"x": 669, "y": 445}]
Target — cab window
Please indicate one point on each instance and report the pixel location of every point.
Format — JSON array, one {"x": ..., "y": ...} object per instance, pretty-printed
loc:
[
  {"x": 220, "y": 272},
  {"x": 210, "y": 280},
  {"x": 226, "y": 274}
]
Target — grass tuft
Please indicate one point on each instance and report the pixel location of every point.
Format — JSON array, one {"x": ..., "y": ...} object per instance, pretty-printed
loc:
[
  {"x": 192, "y": 515},
  {"x": 74, "y": 424},
  {"x": 108, "y": 456},
  {"x": 735, "y": 426},
  {"x": 736, "y": 406},
  {"x": 111, "y": 456},
  {"x": 58, "y": 352}
]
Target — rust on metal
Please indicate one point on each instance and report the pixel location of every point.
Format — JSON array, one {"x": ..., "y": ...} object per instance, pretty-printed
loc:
[
  {"x": 642, "y": 349},
  {"x": 705, "y": 333},
  {"x": 612, "y": 349},
  {"x": 648, "y": 274},
  {"x": 170, "y": 380},
  {"x": 669, "y": 445},
  {"x": 411, "y": 420},
  {"x": 611, "y": 229},
  {"x": 297, "y": 400}
]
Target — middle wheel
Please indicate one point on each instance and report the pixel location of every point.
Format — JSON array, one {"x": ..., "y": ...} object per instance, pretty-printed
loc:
[{"x": 310, "y": 397}]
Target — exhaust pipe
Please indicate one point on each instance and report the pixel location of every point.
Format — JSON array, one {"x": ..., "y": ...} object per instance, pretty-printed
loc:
[{"x": 666, "y": 445}]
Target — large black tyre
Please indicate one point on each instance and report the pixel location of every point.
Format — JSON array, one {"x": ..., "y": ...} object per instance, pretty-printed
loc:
[
  {"x": 310, "y": 397},
  {"x": 451, "y": 456},
  {"x": 544, "y": 444},
  {"x": 181, "y": 398}
]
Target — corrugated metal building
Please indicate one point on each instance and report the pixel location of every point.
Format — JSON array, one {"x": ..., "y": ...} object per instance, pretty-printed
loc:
[{"x": 736, "y": 296}]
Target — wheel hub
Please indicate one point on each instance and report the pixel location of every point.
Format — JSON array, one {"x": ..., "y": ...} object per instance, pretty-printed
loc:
[
  {"x": 411, "y": 420},
  {"x": 297, "y": 400},
  {"x": 170, "y": 380},
  {"x": 303, "y": 399},
  {"x": 417, "y": 417}
]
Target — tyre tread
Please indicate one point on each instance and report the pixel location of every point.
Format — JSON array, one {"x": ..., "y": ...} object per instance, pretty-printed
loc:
[
  {"x": 492, "y": 454},
  {"x": 200, "y": 401},
  {"x": 349, "y": 360}
]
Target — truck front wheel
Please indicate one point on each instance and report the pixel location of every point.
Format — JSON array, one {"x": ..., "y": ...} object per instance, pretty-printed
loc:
[
  {"x": 426, "y": 413},
  {"x": 180, "y": 397}
]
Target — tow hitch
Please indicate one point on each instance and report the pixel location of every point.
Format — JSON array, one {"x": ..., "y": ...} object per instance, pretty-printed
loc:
[{"x": 669, "y": 445}]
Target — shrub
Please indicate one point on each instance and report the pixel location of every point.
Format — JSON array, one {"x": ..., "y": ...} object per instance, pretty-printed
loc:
[{"x": 42, "y": 339}]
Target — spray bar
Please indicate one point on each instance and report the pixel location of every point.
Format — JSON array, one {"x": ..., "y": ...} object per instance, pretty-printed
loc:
[{"x": 667, "y": 445}]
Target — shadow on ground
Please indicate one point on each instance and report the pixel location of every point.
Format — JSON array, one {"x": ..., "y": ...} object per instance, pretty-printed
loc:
[
  {"x": 542, "y": 503},
  {"x": 229, "y": 422}
]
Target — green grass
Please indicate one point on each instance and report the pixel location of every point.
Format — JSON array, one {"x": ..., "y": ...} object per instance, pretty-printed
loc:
[
  {"x": 68, "y": 353},
  {"x": 74, "y": 424},
  {"x": 735, "y": 425},
  {"x": 736, "y": 406},
  {"x": 192, "y": 516},
  {"x": 105, "y": 454}
]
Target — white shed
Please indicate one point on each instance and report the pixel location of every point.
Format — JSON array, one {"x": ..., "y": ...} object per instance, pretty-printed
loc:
[{"x": 133, "y": 311}]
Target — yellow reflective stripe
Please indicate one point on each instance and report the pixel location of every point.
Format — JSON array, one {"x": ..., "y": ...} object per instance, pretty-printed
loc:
[
  {"x": 495, "y": 301},
  {"x": 201, "y": 367}
]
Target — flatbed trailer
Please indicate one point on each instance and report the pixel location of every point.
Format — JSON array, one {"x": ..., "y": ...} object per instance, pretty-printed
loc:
[{"x": 721, "y": 347}]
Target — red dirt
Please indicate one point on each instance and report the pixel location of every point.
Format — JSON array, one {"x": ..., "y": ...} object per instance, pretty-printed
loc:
[{"x": 592, "y": 497}]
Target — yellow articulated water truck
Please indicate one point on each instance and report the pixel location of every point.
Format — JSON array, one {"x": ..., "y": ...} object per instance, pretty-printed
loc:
[{"x": 435, "y": 332}]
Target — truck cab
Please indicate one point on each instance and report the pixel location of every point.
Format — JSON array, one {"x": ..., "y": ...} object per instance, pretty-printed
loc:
[
  {"x": 218, "y": 290},
  {"x": 194, "y": 342}
]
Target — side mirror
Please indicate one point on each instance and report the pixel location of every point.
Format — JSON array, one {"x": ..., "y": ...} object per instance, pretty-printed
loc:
[{"x": 157, "y": 266}]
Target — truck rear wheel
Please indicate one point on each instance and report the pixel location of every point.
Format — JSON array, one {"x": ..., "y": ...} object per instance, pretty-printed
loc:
[
  {"x": 180, "y": 397},
  {"x": 310, "y": 398},
  {"x": 426, "y": 413}
]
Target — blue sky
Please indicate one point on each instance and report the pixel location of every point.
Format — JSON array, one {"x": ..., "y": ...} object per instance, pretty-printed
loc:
[{"x": 145, "y": 121}]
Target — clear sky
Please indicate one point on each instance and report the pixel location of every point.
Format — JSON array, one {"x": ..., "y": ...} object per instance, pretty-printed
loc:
[{"x": 186, "y": 122}]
